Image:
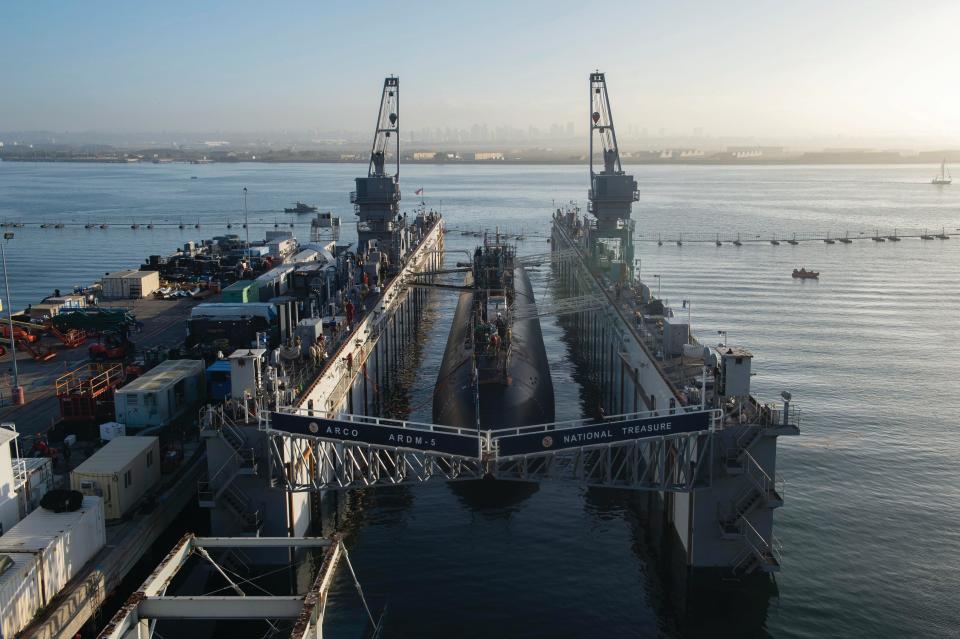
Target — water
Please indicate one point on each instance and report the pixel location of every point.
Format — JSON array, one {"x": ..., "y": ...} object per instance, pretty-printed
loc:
[{"x": 869, "y": 352}]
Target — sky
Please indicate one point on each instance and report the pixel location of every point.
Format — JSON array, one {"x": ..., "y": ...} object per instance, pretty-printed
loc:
[{"x": 729, "y": 68}]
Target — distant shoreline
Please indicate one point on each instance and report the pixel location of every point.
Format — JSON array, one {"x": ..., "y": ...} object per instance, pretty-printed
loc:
[{"x": 798, "y": 161}]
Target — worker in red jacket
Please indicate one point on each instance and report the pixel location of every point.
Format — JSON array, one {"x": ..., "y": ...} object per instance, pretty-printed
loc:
[{"x": 349, "y": 309}]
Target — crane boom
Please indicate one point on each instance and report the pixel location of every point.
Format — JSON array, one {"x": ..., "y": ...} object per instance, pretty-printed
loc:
[
  {"x": 601, "y": 123},
  {"x": 388, "y": 125}
]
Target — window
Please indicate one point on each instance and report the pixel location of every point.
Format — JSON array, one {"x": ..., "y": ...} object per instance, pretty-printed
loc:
[
  {"x": 132, "y": 399},
  {"x": 127, "y": 479},
  {"x": 149, "y": 458}
]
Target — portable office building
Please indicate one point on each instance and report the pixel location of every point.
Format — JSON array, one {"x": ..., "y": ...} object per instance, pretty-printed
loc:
[
  {"x": 46, "y": 550},
  {"x": 121, "y": 473},
  {"x": 161, "y": 395}
]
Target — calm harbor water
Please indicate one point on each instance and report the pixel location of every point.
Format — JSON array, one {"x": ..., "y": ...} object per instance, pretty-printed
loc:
[{"x": 869, "y": 352}]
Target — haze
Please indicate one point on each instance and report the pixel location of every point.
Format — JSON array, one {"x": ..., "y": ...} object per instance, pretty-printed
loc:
[{"x": 851, "y": 69}]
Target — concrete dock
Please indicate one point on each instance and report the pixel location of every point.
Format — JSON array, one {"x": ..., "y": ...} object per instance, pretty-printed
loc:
[{"x": 164, "y": 324}]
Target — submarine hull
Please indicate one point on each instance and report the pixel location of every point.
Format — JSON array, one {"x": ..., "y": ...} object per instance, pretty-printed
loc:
[{"x": 526, "y": 398}]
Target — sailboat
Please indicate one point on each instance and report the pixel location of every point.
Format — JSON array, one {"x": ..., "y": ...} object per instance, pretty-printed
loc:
[{"x": 944, "y": 177}]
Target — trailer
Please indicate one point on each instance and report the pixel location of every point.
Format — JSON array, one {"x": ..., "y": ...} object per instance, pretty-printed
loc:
[
  {"x": 44, "y": 552},
  {"x": 121, "y": 473},
  {"x": 161, "y": 395}
]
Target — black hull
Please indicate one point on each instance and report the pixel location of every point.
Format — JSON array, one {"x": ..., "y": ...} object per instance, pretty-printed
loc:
[{"x": 527, "y": 400}]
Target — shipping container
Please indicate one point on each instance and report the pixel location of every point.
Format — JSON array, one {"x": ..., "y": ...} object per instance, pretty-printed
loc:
[
  {"x": 120, "y": 473},
  {"x": 218, "y": 380},
  {"x": 161, "y": 395},
  {"x": 241, "y": 292},
  {"x": 62, "y": 544},
  {"x": 130, "y": 284},
  {"x": 20, "y": 593}
]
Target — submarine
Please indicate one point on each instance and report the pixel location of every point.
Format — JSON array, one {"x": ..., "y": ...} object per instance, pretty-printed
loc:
[{"x": 494, "y": 373}]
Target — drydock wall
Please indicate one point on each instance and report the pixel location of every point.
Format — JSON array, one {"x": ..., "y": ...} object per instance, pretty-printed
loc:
[
  {"x": 629, "y": 379},
  {"x": 360, "y": 378}
]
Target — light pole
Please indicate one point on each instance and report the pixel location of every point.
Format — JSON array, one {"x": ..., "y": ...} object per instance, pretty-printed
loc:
[
  {"x": 16, "y": 393},
  {"x": 246, "y": 222},
  {"x": 724, "y": 333},
  {"x": 659, "y": 282},
  {"x": 687, "y": 304}
]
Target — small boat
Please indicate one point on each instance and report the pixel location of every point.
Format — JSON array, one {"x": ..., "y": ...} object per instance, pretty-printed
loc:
[
  {"x": 775, "y": 242},
  {"x": 150, "y": 225},
  {"x": 103, "y": 226},
  {"x": 719, "y": 243},
  {"x": 943, "y": 234},
  {"x": 193, "y": 177},
  {"x": 926, "y": 236},
  {"x": 804, "y": 274},
  {"x": 45, "y": 225},
  {"x": 300, "y": 207},
  {"x": 680, "y": 240},
  {"x": 58, "y": 225},
  {"x": 877, "y": 237},
  {"x": 89, "y": 225},
  {"x": 893, "y": 238},
  {"x": 659, "y": 241},
  {"x": 846, "y": 239},
  {"x": 944, "y": 177},
  {"x": 828, "y": 240},
  {"x": 737, "y": 241}
]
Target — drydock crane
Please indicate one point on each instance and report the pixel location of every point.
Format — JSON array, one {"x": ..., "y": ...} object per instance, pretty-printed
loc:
[
  {"x": 612, "y": 192},
  {"x": 381, "y": 231}
]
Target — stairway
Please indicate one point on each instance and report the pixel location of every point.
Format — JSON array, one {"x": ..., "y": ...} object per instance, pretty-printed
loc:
[
  {"x": 221, "y": 489},
  {"x": 760, "y": 491}
]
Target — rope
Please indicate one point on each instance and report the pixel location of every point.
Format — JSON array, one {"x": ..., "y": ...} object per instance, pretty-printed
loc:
[{"x": 376, "y": 628}]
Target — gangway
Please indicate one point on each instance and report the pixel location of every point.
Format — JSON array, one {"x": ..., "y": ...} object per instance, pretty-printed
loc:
[{"x": 639, "y": 451}]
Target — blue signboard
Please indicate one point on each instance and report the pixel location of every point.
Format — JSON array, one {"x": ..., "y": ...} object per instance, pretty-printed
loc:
[
  {"x": 602, "y": 433},
  {"x": 378, "y": 434}
]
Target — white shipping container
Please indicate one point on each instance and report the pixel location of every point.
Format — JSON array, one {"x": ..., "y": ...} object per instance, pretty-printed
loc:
[
  {"x": 130, "y": 284},
  {"x": 20, "y": 593},
  {"x": 62, "y": 542},
  {"x": 121, "y": 473}
]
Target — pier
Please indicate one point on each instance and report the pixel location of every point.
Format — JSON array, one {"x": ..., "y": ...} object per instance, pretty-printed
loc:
[{"x": 790, "y": 238}]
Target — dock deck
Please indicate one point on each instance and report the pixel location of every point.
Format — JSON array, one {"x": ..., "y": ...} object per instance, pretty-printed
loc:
[{"x": 164, "y": 325}]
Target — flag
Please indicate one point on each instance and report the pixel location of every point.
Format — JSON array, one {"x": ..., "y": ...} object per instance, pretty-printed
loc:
[{"x": 419, "y": 191}]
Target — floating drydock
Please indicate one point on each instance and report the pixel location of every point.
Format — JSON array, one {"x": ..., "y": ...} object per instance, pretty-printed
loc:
[{"x": 675, "y": 418}]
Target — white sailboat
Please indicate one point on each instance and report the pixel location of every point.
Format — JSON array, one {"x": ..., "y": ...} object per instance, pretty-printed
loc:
[{"x": 944, "y": 177}]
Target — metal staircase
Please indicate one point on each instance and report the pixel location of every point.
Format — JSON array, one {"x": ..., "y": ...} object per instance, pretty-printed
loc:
[
  {"x": 761, "y": 491},
  {"x": 220, "y": 488}
]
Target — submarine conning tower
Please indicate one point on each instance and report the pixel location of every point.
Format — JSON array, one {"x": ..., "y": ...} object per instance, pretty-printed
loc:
[
  {"x": 612, "y": 192},
  {"x": 381, "y": 231}
]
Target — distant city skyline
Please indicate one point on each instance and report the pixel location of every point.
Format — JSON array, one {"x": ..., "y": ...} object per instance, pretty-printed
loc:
[{"x": 752, "y": 69}]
